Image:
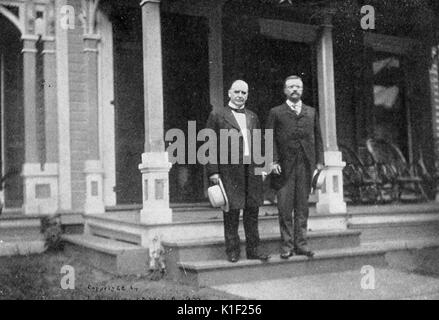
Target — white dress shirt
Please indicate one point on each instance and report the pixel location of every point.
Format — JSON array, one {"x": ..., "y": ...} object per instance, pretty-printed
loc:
[
  {"x": 297, "y": 108},
  {"x": 242, "y": 122}
]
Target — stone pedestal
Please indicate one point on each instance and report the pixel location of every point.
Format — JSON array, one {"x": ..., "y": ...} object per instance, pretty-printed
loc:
[
  {"x": 331, "y": 194},
  {"x": 40, "y": 188},
  {"x": 155, "y": 168},
  {"x": 94, "y": 203}
]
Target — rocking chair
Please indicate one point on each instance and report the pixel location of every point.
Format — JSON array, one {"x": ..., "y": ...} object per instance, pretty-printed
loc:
[
  {"x": 394, "y": 169},
  {"x": 360, "y": 185}
]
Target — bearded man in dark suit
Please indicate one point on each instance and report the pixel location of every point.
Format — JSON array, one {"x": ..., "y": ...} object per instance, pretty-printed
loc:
[
  {"x": 297, "y": 151},
  {"x": 242, "y": 185}
]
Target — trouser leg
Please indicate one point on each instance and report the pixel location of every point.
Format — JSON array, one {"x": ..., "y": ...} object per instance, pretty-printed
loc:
[
  {"x": 251, "y": 229},
  {"x": 231, "y": 225},
  {"x": 285, "y": 204},
  {"x": 301, "y": 210}
]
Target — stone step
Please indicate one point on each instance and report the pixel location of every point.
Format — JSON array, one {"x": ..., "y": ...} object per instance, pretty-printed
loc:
[
  {"x": 109, "y": 255},
  {"x": 376, "y": 215},
  {"x": 214, "y": 248},
  {"x": 127, "y": 227},
  {"x": 218, "y": 272},
  {"x": 396, "y": 230},
  {"x": 20, "y": 226},
  {"x": 12, "y": 246}
]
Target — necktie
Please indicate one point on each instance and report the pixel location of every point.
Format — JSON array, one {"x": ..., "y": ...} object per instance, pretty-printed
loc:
[
  {"x": 295, "y": 109},
  {"x": 238, "y": 110}
]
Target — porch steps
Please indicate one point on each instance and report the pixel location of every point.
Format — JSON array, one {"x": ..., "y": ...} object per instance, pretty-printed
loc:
[
  {"x": 20, "y": 235},
  {"x": 376, "y": 215},
  {"x": 214, "y": 249},
  {"x": 127, "y": 227},
  {"x": 106, "y": 254},
  {"x": 12, "y": 246},
  {"x": 396, "y": 230},
  {"x": 119, "y": 257},
  {"x": 219, "y": 272},
  {"x": 20, "y": 226}
]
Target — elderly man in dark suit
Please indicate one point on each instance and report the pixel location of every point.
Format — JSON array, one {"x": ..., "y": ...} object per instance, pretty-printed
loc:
[
  {"x": 297, "y": 151},
  {"x": 242, "y": 186}
]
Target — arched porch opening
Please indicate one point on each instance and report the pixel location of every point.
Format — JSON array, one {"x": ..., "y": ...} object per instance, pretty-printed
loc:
[{"x": 11, "y": 110}]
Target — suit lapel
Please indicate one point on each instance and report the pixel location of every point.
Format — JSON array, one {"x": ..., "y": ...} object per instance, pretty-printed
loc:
[
  {"x": 288, "y": 110},
  {"x": 230, "y": 118},
  {"x": 249, "y": 120},
  {"x": 303, "y": 112}
]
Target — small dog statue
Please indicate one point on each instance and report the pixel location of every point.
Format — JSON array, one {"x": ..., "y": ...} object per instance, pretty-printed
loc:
[{"x": 157, "y": 266}]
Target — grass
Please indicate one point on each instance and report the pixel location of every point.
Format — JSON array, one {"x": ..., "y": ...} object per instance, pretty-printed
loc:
[{"x": 38, "y": 277}]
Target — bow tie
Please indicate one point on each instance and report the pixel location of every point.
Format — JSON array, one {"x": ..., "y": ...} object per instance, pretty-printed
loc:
[{"x": 242, "y": 110}]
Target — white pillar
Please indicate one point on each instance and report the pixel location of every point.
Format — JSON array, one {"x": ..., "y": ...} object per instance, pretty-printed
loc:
[
  {"x": 331, "y": 195},
  {"x": 40, "y": 189},
  {"x": 93, "y": 169},
  {"x": 155, "y": 165},
  {"x": 434, "y": 89},
  {"x": 63, "y": 113}
]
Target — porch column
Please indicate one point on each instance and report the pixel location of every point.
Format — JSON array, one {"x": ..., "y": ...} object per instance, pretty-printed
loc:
[
  {"x": 331, "y": 195},
  {"x": 434, "y": 89},
  {"x": 93, "y": 169},
  {"x": 48, "y": 175},
  {"x": 39, "y": 189},
  {"x": 155, "y": 165}
]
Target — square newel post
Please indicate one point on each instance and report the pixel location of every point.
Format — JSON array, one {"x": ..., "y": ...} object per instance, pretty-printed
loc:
[
  {"x": 155, "y": 165},
  {"x": 31, "y": 168},
  {"x": 46, "y": 175},
  {"x": 39, "y": 179},
  {"x": 93, "y": 169},
  {"x": 331, "y": 195}
]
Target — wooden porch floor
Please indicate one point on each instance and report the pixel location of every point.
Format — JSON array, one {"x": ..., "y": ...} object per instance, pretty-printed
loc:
[{"x": 203, "y": 212}]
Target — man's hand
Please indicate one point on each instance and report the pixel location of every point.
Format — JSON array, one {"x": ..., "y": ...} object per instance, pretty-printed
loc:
[
  {"x": 275, "y": 167},
  {"x": 214, "y": 178},
  {"x": 320, "y": 166}
]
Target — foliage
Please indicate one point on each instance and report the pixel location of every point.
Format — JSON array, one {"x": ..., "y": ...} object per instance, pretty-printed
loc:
[{"x": 52, "y": 231}]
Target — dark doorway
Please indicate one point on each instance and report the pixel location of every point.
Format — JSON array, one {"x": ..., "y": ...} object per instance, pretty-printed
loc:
[
  {"x": 264, "y": 63},
  {"x": 128, "y": 103},
  {"x": 186, "y": 94},
  {"x": 186, "y": 98},
  {"x": 12, "y": 112}
]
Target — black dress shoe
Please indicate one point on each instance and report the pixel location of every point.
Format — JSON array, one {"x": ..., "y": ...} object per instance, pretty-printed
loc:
[
  {"x": 258, "y": 256},
  {"x": 286, "y": 255},
  {"x": 233, "y": 258},
  {"x": 304, "y": 252}
]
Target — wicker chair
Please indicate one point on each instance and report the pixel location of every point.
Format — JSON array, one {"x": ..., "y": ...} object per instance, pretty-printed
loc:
[
  {"x": 394, "y": 170},
  {"x": 359, "y": 184}
]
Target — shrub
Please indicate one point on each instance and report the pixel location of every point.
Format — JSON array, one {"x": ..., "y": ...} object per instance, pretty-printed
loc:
[{"x": 52, "y": 231}]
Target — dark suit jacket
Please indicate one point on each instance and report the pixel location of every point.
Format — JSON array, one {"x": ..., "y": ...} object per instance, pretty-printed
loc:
[
  {"x": 291, "y": 133},
  {"x": 234, "y": 176}
]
